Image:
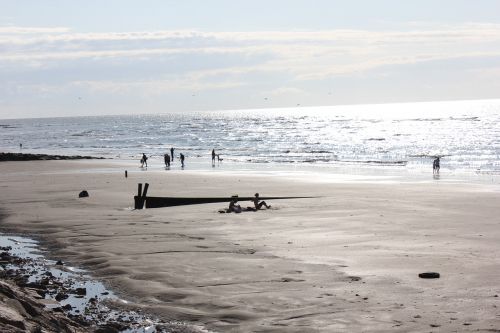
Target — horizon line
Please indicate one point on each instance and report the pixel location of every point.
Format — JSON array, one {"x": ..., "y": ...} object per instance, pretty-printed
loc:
[{"x": 259, "y": 109}]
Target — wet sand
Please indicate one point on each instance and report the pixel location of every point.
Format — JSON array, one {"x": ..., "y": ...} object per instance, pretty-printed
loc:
[{"x": 348, "y": 261}]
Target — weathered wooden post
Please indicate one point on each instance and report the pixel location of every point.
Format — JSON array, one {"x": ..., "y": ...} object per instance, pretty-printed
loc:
[{"x": 138, "y": 198}]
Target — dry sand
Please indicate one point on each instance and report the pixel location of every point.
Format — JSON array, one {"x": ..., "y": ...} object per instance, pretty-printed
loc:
[{"x": 346, "y": 262}]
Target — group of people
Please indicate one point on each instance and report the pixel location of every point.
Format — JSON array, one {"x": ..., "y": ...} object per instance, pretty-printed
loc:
[
  {"x": 234, "y": 207},
  {"x": 167, "y": 159}
]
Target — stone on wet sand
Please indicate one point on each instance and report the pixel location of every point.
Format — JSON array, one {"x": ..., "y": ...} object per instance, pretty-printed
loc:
[{"x": 429, "y": 275}]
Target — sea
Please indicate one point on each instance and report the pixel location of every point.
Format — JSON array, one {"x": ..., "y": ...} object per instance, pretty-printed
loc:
[{"x": 406, "y": 136}]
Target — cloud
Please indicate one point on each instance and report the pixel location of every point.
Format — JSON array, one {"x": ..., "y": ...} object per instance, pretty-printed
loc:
[{"x": 198, "y": 60}]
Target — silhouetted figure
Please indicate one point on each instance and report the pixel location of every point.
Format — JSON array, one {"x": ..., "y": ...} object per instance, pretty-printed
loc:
[
  {"x": 172, "y": 154},
  {"x": 20, "y": 146},
  {"x": 233, "y": 206},
  {"x": 219, "y": 159},
  {"x": 182, "y": 160},
  {"x": 258, "y": 205},
  {"x": 166, "y": 158},
  {"x": 435, "y": 166},
  {"x": 213, "y": 157},
  {"x": 144, "y": 160}
]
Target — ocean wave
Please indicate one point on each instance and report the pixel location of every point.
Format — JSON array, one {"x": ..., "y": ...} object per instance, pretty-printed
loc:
[
  {"x": 465, "y": 118},
  {"x": 418, "y": 119},
  {"x": 377, "y": 162}
]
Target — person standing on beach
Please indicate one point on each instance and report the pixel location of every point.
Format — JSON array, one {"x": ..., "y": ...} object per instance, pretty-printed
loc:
[
  {"x": 144, "y": 160},
  {"x": 182, "y": 160},
  {"x": 213, "y": 157},
  {"x": 166, "y": 158},
  {"x": 436, "y": 166},
  {"x": 172, "y": 154}
]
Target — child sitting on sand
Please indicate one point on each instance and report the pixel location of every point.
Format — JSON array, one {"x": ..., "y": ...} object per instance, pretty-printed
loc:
[
  {"x": 233, "y": 206},
  {"x": 258, "y": 205}
]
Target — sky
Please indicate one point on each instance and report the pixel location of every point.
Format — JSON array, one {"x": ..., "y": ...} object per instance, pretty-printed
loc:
[{"x": 88, "y": 57}]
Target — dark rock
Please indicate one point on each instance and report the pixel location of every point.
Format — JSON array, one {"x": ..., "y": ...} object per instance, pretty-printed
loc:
[
  {"x": 67, "y": 307},
  {"x": 49, "y": 274},
  {"x": 111, "y": 328},
  {"x": 80, "y": 291},
  {"x": 429, "y": 275},
  {"x": 83, "y": 194},
  {"x": 59, "y": 263},
  {"x": 354, "y": 278},
  {"x": 60, "y": 296}
]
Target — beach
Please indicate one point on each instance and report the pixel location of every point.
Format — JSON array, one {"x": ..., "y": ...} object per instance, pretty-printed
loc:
[{"x": 345, "y": 261}]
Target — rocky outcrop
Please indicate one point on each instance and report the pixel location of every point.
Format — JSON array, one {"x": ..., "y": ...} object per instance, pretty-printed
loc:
[
  {"x": 4, "y": 157},
  {"x": 21, "y": 311}
]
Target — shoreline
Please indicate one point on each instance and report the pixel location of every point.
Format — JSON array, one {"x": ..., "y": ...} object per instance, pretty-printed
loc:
[
  {"x": 224, "y": 271},
  {"x": 333, "y": 172}
]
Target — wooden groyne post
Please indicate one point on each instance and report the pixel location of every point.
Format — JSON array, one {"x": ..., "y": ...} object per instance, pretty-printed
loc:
[{"x": 140, "y": 198}]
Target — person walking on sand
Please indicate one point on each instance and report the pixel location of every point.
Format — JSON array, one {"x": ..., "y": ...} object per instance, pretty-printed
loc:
[
  {"x": 182, "y": 160},
  {"x": 213, "y": 157},
  {"x": 172, "y": 154},
  {"x": 258, "y": 205},
  {"x": 144, "y": 160}
]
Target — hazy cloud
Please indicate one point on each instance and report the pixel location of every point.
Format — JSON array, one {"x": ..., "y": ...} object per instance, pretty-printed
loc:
[{"x": 57, "y": 60}]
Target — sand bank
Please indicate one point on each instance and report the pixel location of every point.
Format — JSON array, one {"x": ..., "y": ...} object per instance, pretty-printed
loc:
[{"x": 348, "y": 261}]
